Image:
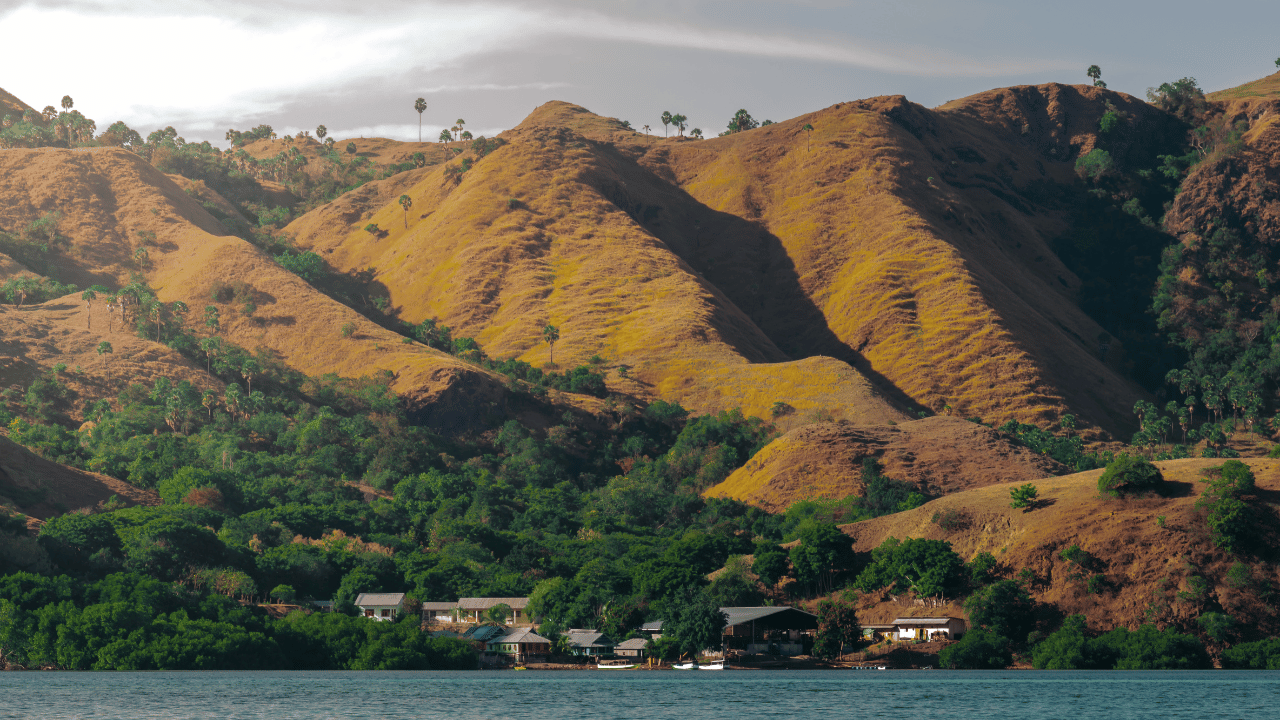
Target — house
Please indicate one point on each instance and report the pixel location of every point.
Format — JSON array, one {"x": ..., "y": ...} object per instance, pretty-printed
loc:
[
  {"x": 484, "y": 633},
  {"x": 633, "y": 648},
  {"x": 522, "y": 645},
  {"x": 323, "y": 605},
  {"x": 588, "y": 643},
  {"x": 928, "y": 628},
  {"x": 439, "y": 611},
  {"x": 653, "y": 629},
  {"x": 474, "y": 609},
  {"x": 380, "y": 606},
  {"x": 780, "y": 630}
]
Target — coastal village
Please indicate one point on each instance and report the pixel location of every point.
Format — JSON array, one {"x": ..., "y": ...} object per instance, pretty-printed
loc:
[{"x": 506, "y": 636}]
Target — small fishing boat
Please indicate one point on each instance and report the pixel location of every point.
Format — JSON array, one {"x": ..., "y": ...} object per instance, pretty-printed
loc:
[
  {"x": 691, "y": 665},
  {"x": 717, "y": 665},
  {"x": 615, "y": 666}
]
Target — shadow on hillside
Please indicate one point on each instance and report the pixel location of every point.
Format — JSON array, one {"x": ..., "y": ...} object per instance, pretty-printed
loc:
[
  {"x": 742, "y": 260},
  {"x": 1175, "y": 489}
]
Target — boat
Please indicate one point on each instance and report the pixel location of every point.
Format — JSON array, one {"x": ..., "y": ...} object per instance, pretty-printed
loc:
[
  {"x": 717, "y": 665},
  {"x": 608, "y": 666},
  {"x": 685, "y": 666}
]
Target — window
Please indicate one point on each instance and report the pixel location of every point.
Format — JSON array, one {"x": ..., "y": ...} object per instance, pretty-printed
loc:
[
  {"x": 368, "y": 613},
  {"x": 386, "y": 612}
]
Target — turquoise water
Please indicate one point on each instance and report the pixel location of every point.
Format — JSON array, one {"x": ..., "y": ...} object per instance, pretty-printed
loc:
[{"x": 731, "y": 695}]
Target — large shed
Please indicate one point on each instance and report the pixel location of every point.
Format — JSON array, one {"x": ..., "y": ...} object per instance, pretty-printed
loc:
[{"x": 781, "y": 630}]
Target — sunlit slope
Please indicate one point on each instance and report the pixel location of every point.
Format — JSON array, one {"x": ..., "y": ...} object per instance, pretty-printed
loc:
[
  {"x": 824, "y": 460},
  {"x": 10, "y": 105},
  {"x": 112, "y": 201},
  {"x": 1145, "y": 549},
  {"x": 904, "y": 238},
  {"x": 537, "y": 233},
  {"x": 1267, "y": 87}
]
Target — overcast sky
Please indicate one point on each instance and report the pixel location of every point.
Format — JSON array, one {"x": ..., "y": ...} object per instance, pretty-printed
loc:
[{"x": 357, "y": 67}]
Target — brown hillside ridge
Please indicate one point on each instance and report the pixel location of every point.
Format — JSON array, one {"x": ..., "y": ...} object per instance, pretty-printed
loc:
[
  {"x": 35, "y": 338},
  {"x": 824, "y": 460},
  {"x": 10, "y": 105},
  {"x": 528, "y": 237},
  {"x": 907, "y": 244},
  {"x": 1144, "y": 565},
  {"x": 109, "y": 196},
  {"x": 57, "y": 488}
]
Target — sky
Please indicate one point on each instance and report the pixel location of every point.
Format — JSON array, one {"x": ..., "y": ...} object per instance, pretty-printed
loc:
[{"x": 357, "y": 67}]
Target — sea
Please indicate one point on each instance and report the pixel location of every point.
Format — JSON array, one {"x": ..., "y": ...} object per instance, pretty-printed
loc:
[{"x": 700, "y": 695}]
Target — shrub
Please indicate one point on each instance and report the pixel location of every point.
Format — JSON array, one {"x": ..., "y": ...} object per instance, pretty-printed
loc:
[
  {"x": 1004, "y": 608},
  {"x": 1130, "y": 475},
  {"x": 1024, "y": 497},
  {"x": 1076, "y": 554},
  {"x": 977, "y": 650},
  {"x": 348, "y": 329},
  {"x": 1094, "y": 166},
  {"x": 1260, "y": 655}
]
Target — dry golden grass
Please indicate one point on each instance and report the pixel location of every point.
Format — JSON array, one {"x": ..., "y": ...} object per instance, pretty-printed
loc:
[
  {"x": 10, "y": 105},
  {"x": 1267, "y": 87},
  {"x": 565, "y": 253},
  {"x": 1142, "y": 562},
  {"x": 824, "y": 460},
  {"x": 107, "y": 196}
]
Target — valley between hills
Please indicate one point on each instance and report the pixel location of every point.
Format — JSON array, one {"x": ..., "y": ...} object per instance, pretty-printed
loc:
[{"x": 634, "y": 376}]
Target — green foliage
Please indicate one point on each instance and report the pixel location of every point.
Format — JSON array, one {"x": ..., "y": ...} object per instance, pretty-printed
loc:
[
  {"x": 837, "y": 627},
  {"x": 1024, "y": 497},
  {"x": 1130, "y": 475},
  {"x": 20, "y": 290},
  {"x": 977, "y": 650},
  {"x": 1259, "y": 655},
  {"x": 822, "y": 554},
  {"x": 1147, "y": 648},
  {"x": 694, "y": 621},
  {"x": 1231, "y": 520},
  {"x": 1182, "y": 98},
  {"x": 1218, "y": 626},
  {"x": 306, "y": 265},
  {"x": 982, "y": 569},
  {"x": 1004, "y": 608},
  {"x": 1067, "y": 450},
  {"x": 1095, "y": 165},
  {"x": 929, "y": 567}
]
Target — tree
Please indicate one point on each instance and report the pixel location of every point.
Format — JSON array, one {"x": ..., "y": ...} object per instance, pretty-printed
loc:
[
  {"x": 498, "y": 614},
  {"x": 666, "y": 120},
  {"x": 550, "y": 334},
  {"x": 837, "y": 626},
  {"x": 445, "y": 136},
  {"x": 977, "y": 650},
  {"x": 458, "y": 125},
  {"x": 696, "y": 133},
  {"x": 1005, "y": 608},
  {"x": 321, "y": 132},
  {"x": 740, "y": 122},
  {"x": 466, "y": 135},
  {"x": 89, "y": 296},
  {"x": 67, "y": 102},
  {"x": 823, "y": 549},
  {"x": 1095, "y": 73},
  {"x": 680, "y": 121},
  {"x": 406, "y": 202},
  {"x": 646, "y": 129},
  {"x": 104, "y": 349},
  {"x": 284, "y": 594},
  {"x": 421, "y": 106},
  {"x": 351, "y": 148},
  {"x": 808, "y": 133},
  {"x": 211, "y": 319},
  {"x": 1130, "y": 475},
  {"x": 1024, "y": 497},
  {"x": 694, "y": 621}
]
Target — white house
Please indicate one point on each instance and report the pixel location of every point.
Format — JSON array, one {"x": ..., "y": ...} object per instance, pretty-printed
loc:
[
  {"x": 928, "y": 628},
  {"x": 380, "y": 606}
]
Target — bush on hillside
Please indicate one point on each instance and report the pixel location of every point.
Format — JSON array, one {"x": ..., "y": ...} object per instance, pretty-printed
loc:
[
  {"x": 1147, "y": 648},
  {"x": 1004, "y": 608},
  {"x": 977, "y": 650},
  {"x": 1259, "y": 655},
  {"x": 1130, "y": 475},
  {"x": 929, "y": 567}
]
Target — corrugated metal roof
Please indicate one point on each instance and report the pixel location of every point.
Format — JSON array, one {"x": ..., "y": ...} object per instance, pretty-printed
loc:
[
  {"x": 439, "y": 605},
  {"x": 739, "y": 615},
  {"x": 588, "y": 638},
  {"x": 523, "y": 635},
  {"x": 379, "y": 599},
  {"x": 918, "y": 622},
  {"x": 652, "y": 626},
  {"x": 484, "y": 633},
  {"x": 486, "y": 603},
  {"x": 632, "y": 644}
]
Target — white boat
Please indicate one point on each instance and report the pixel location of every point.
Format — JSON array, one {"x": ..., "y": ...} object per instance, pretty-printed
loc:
[
  {"x": 717, "y": 665},
  {"x": 685, "y": 666},
  {"x": 603, "y": 666}
]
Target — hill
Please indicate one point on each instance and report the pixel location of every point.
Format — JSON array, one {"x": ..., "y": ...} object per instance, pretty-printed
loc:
[
  {"x": 1154, "y": 554},
  {"x": 886, "y": 242},
  {"x": 1267, "y": 87},
  {"x": 44, "y": 489},
  {"x": 939, "y": 455}
]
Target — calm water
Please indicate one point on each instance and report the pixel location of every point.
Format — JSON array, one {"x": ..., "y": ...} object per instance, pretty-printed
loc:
[{"x": 731, "y": 695}]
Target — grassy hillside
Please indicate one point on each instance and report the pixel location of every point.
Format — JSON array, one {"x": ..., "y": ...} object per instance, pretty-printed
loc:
[
  {"x": 1155, "y": 555},
  {"x": 938, "y": 455}
]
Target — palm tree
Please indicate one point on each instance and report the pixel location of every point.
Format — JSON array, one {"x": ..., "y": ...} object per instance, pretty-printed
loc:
[
  {"x": 209, "y": 400},
  {"x": 551, "y": 334},
  {"x": 808, "y": 129},
  {"x": 466, "y": 135},
  {"x": 406, "y": 202},
  {"x": 646, "y": 129},
  {"x": 696, "y": 133},
  {"x": 104, "y": 349},
  {"x": 666, "y": 120},
  {"x": 457, "y": 126},
  {"x": 421, "y": 106},
  {"x": 321, "y": 131},
  {"x": 88, "y": 296}
]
